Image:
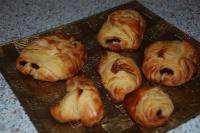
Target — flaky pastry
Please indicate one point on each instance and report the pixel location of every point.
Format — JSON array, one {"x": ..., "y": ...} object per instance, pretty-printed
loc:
[
  {"x": 52, "y": 58},
  {"x": 119, "y": 74},
  {"x": 170, "y": 63},
  {"x": 82, "y": 102},
  {"x": 123, "y": 30},
  {"x": 149, "y": 106}
]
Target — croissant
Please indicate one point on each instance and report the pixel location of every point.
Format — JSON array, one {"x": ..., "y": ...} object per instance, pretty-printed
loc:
[
  {"x": 82, "y": 102},
  {"x": 149, "y": 106},
  {"x": 120, "y": 75},
  {"x": 52, "y": 58},
  {"x": 170, "y": 63},
  {"x": 123, "y": 30}
]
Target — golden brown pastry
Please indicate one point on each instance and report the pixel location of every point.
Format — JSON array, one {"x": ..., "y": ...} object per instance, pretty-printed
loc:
[
  {"x": 123, "y": 30},
  {"x": 52, "y": 58},
  {"x": 120, "y": 75},
  {"x": 149, "y": 106},
  {"x": 170, "y": 63},
  {"x": 82, "y": 102}
]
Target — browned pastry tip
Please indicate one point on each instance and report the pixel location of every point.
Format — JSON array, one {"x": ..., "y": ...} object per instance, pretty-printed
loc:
[
  {"x": 56, "y": 112},
  {"x": 170, "y": 63},
  {"x": 119, "y": 75},
  {"x": 81, "y": 103},
  {"x": 149, "y": 106},
  {"x": 52, "y": 58},
  {"x": 123, "y": 30}
]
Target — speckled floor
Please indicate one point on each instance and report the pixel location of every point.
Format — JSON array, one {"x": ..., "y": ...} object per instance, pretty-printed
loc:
[{"x": 25, "y": 17}]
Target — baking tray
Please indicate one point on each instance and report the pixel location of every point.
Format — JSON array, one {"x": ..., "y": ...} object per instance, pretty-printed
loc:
[{"x": 37, "y": 96}]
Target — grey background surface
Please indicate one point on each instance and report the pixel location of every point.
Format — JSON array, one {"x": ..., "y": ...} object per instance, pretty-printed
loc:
[{"x": 20, "y": 18}]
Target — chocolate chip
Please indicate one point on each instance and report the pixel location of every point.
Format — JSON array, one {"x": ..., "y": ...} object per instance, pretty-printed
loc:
[
  {"x": 159, "y": 113},
  {"x": 80, "y": 91},
  {"x": 75, "y": 43},
  {"x": 35, "y": 66},
  {"x": 113, "y": 40},
  {"x": 161, "y": 52},
  {"x": 23, "y": 63},
  {"x": 166, "y": 71}
]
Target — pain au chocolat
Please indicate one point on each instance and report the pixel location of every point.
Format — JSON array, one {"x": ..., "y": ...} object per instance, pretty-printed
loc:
[
  {"x": 149, "y": 106},
  {"x": 52, "y": 58},
  {"x": 170, "y": 63},
  {"x": 81, "y": 103},
  {"x": 123, "y": 30},
  {"x": 119, "y": 75}
]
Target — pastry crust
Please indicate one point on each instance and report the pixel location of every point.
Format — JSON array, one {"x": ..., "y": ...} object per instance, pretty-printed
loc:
[
  {"x": 82, "y": 102},
  {"x": 52, "y": 58},
  {"x": 120, "y": 75},
  {"x": 149, "y": 106},
  {"x": 170, "y": 63},
  {"x": 123, "y": 30}
]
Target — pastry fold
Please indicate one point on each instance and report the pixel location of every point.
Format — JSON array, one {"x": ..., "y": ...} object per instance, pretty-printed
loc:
[
  {"x": 82, "y": 102},
  {"x": 52, "y": 58},
  {"x": 170, "y": 63},
  {"x": 123, "y": 30},
  {"x": 120, "y": 75},
  {"x": 149, "y": 106}
]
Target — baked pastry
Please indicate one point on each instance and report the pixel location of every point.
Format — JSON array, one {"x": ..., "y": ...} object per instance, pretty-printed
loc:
[
  {"x": 52, "y": 58},
  {"x": 82, "y": 102},
  {"x": 149, "y": 106},
  {"x": 123, "y": 30},
  {"x": 170, "y": 63},
  {"x": 120, "y": 75}
]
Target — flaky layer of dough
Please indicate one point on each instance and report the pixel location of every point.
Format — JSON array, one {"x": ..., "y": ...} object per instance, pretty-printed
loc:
[
  {"x": 120, "y": 75},
  {"x": 123, "y": 30},
  {"x": 52, "y": 58},
  {"x": 149, "y": 106},
  {"x": 170, "y": 63},
  {"x": 82, "y": 102}
]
